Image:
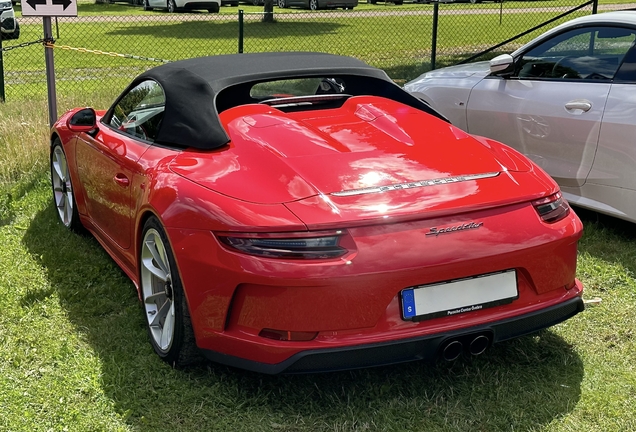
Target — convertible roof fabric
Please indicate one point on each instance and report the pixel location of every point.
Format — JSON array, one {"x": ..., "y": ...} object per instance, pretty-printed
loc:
[{"x": 191, "y": 88}]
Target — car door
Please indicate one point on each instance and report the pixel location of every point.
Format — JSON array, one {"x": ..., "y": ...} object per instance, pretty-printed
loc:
[
  {"x": 108, "y": 161},
  {"x": 552, "y": 107},
  {"x": 616, "y": 154}
]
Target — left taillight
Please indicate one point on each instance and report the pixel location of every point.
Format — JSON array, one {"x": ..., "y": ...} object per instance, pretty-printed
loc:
[
  {"x": 304, "y": 245},
  {"x": 552, "y": 208}
]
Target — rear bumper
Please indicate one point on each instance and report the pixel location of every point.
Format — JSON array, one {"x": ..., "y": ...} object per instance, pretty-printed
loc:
[
  {"x": 405, "y": 350},
  {"x": 202, "y": 5}
]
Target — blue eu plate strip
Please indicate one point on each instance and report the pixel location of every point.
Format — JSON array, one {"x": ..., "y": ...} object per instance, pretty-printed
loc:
[{"x": 408, "y": 303}]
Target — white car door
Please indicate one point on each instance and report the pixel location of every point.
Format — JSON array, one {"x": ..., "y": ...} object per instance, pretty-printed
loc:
[
  {"x": 552, "y": 106},
  {"x": 612, "y": 180}
]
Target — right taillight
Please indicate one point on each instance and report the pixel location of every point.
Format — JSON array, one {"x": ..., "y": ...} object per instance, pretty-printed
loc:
[{"x": 552, "y": 208}]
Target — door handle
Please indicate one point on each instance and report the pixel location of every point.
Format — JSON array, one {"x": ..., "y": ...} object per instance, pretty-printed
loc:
[
  {"x": 121, "y": 180},
  {"x": 579, "y": 104}
]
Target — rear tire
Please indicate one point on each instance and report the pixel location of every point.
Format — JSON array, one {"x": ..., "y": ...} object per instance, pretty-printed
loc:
[
  {"x": 172, "y": 6},
  {"x": 147, "y": 6},
  {"x": 167, "y": 315},
  {"x": 282, "y": 4},
  {"x": 16, "y": 32},
  {"x": 313, "y": 5}
]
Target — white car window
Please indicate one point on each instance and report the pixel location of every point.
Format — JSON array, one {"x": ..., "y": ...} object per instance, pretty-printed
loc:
[{"x": 593, "y": 53}]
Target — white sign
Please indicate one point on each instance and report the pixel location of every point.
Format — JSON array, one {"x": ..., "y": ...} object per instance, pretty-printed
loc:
[{"x": 49, "y": 7}]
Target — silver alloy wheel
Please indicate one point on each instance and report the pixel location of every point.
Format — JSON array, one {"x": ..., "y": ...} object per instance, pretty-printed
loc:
[
  {"x": 62, "y": 189},
  {"x": 313, "y": 4},
  {"x": 157, "y": 290},
  {"x": 172, "y": 7},
  {"x": 282, "y": 4}
]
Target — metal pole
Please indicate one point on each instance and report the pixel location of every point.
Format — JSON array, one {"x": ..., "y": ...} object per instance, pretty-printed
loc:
[
  {"x": 434, "y": 41},
  {"x": 500, "y": 11},
  {"x": 240, "y": 38},
  {"x": 50, "y": 71},
  {"x": 2, "y": 95},
  {"x": 595, "y": 7}
]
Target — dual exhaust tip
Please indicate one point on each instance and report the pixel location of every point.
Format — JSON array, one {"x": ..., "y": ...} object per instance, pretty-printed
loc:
[{"x": 475, "y": 345}]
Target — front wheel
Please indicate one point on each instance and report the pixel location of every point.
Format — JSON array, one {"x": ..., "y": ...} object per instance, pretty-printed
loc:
[
  {"x": 167, "y": 314},
  {"x": 313, "y": 5},
  {"x": 282, "y": 4},
  {"x": 172, "y": 6},
  {"x": 147, "y": 6},
  {"x": 63, "y": 188}
]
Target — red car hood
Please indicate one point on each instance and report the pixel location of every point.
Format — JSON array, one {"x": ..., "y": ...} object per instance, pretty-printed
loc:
[{"x": 277, "y": 157}]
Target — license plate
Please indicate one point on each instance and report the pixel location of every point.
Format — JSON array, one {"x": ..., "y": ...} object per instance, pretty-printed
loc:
[{"x": 460, "y": 296}]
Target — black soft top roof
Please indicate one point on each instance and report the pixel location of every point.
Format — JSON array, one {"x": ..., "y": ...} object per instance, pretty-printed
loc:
[{"x": 191, "y": 88}]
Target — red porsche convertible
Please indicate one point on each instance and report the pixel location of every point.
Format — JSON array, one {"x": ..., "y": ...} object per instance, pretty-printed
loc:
[{"x": 295, "y": 212}]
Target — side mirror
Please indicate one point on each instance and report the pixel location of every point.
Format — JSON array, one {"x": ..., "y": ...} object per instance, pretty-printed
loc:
[
  {"x": 502, "y": 65},
  {"x": 85, "y": 120}
]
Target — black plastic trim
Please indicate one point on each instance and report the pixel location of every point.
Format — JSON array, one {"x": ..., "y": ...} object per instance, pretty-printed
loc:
[{"x": 405, "y": 350}]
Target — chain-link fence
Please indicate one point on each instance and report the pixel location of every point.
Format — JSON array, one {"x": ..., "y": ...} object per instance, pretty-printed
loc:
[{"x": 93, "y": 53}]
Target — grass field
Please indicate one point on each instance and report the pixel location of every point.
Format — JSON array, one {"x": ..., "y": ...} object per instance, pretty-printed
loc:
[{"x": 395, "y": 38}]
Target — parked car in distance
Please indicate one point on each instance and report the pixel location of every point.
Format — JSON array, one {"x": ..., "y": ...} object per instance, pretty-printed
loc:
[
  {"x": 300, "y": 212},
  {"x": 212, "y": 6},
  {"x": 319, "y": 4},
  {"x": 396, "y": 2},
  {"x": 566, "y": 100},
  {"x": 9, "y": 27}
]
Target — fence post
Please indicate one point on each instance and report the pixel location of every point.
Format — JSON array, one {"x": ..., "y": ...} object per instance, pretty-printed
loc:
[
  {"x": 240, "y": 36},
  {"x": 594, "y": 7},
  {"x": 434, "y": 37},
  {"x": 50, "y": 70},
  {"x": 1, "y": 72}
]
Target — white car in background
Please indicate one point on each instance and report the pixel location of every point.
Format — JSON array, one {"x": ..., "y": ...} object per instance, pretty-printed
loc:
[
  {"x": 567, "y": 100},
  {"x": 172, "y": 6},
  {"x": 9, "y": 27}
]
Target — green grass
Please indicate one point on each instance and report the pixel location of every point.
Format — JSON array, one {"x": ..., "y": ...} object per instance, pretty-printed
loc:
[
  {"x": 397, "y": 41},
  {"x": 74, "y": 354}
]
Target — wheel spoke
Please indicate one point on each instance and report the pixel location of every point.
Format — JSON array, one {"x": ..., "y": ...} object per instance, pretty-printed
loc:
[
  {"x": 161, "y": 313},
  {"x": 148, "y": 263},
  {"x": 168, "y": 328},
  {"x": 152, "y": 298},
  {"x": 158, "y": 255},
  {"x": 58, "y": 170},
  {"x": 154, "y": 260},
  {"x": 68, "y": 208}
]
